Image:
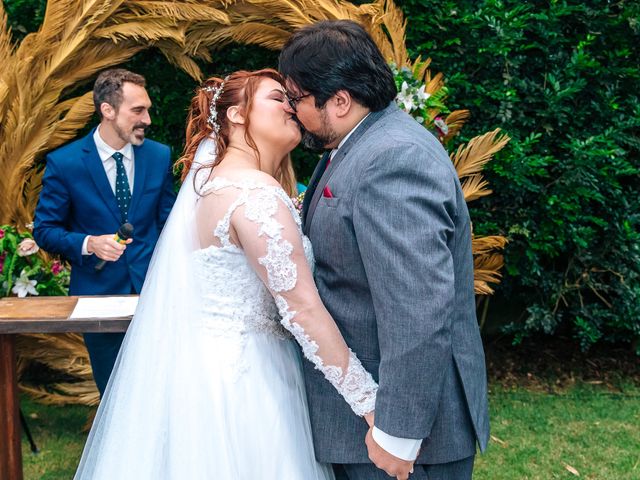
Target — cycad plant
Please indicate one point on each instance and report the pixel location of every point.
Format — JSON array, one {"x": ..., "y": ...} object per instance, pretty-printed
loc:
[{"x": 44, "y": 101}]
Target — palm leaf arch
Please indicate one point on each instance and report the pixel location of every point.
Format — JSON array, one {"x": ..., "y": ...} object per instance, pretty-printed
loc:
[{"x": 78, "y": 38}]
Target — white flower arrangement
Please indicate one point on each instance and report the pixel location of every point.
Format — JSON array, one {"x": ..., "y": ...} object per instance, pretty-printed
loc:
[
  {"x": 24, "y": 286},
  {"x": 414, "y": 99},
  {"x": 410, "y": 99}
]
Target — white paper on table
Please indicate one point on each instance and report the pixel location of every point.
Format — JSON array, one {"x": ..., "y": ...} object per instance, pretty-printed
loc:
[{"x": 105, "y": 307}]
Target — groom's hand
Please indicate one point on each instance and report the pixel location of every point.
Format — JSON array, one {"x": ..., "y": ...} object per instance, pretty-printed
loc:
[{"x": 392, "y": 465}]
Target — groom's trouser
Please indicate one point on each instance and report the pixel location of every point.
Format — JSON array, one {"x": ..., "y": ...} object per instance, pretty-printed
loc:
[{"x": 459, "y": 470}]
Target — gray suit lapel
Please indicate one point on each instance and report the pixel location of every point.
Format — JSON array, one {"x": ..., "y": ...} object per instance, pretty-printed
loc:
[
  {"x": 313, "y": 183},
  {"x": 338, "y": 157}
]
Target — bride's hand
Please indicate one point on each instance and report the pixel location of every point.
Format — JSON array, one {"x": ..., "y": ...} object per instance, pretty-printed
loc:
[{"x": 369, "y": 418}]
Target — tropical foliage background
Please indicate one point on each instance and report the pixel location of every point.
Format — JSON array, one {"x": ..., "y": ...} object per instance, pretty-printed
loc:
[
  {"x": 561, "y": 78},
  {"x": 45, "y": 101}
]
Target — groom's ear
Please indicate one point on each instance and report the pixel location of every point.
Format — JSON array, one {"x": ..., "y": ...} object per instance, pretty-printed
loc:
[
  {"x": 342, "y": 102},
  {"x": 234, "y": 115}
]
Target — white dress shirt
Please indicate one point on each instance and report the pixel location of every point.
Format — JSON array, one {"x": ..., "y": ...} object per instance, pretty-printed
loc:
[
  {"x": 346, "y": 137},
  {"x": 404, "y": 448},
  {"x": 109, "y": 163}
]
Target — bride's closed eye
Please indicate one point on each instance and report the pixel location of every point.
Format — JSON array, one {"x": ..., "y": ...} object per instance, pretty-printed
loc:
[{"x": 277, "y": 95}]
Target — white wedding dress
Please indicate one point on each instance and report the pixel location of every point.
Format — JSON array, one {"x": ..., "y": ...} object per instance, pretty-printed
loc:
[{"x": 208, "y": 384}]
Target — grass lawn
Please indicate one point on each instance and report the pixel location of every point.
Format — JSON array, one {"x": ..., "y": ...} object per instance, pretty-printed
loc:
[
  {"x": 587, "y": 433},
  {"x": 587, "y": 430}
]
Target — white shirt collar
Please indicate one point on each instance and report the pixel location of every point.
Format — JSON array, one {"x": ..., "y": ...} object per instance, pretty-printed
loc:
[
  {"x": 346, "y": 137},
  {"x": 105, "y": 151}
]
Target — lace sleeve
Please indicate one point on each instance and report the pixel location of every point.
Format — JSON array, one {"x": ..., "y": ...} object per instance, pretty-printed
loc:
[{"x": 268, "y": 229}]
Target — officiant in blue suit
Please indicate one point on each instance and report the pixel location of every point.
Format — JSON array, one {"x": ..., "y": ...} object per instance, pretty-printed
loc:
[{"x": 94, "y": 185}]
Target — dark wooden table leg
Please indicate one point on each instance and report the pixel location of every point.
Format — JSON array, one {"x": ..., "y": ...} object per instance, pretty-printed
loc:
[{"x": 10, "y": 449}]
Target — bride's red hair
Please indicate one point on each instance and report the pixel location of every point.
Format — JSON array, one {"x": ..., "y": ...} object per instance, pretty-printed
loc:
[{"x": 239, "y": 89}]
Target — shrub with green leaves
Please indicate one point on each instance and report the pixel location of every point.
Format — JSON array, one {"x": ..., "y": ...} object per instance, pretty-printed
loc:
[{"x": 562, "y": 78}]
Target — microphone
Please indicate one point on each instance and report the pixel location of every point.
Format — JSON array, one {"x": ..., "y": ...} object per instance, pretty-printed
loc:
[{"x": 124, "y": 233}]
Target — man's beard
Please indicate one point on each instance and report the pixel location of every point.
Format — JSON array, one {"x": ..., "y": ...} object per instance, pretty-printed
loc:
[
  {"x": 318, "y": 141},
  {"x": 312, "y": 142},
  {"x": 132, "y": 136}
]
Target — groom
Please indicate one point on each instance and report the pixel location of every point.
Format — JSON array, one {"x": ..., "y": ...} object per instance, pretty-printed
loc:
[{"x": 392, "y": 240}]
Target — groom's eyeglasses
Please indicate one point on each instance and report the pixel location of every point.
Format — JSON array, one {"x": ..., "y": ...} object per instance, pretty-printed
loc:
[{"x": 294, "y": 100}]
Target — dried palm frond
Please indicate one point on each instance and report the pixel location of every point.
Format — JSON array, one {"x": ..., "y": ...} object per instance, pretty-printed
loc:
[
  {"x": 475, "y": 187},
  {"x": 394, "y": 27},
  {"x": 6, "y": 46},
  {"x": 177, "y": 57},
  {"x": 140, "y": 31},
  {"x": 56, "y": 18},
  {"x": 6, "y": 52},
  {"x": 82, "y": 393},
  {"x": 481, "y": 287},
  {"x": 434, "y": 84},
  {"x": 32, "y": 188},
  {"x": 420, "y": 69},
  {"x": 487, "y": 262},
  {"x": 455, "y": 121},
  {"x": 59, "y": 352},
  {"x": 486, "y": 270},
  {"x": 178, "y": 11},
  {"x": 469, "y": 159},
  {"x": 78, "y": 113},
  {"x": 250, "y": 33},
  {"x": 489, "y": 244}
]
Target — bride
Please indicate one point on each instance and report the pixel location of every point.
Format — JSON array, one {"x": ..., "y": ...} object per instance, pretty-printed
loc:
[{"x": 208, "y": 383}]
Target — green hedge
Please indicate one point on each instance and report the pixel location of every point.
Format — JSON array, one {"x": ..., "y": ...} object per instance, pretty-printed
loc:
[{"x": 562, "y": 79}]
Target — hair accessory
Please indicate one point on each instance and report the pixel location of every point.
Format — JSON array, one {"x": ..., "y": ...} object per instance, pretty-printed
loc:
[{"x": 213, "y": 111}]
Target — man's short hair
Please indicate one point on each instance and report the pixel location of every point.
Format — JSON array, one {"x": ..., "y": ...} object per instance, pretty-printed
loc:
[
  {"x": 332, "y": 55},
  {"x": 108, "y": 87}
]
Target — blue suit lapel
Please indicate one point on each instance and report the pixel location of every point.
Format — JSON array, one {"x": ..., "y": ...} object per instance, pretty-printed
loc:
[
  {"x": 140, "y": 162},
  {"x": 99, "y": 176}
]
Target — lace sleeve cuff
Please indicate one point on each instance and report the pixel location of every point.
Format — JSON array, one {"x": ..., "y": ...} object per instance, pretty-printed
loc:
[{"x": 356, "y": 386}]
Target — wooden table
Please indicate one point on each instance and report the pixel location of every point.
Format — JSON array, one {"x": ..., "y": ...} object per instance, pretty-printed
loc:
[{"x": 33, "y": 315}]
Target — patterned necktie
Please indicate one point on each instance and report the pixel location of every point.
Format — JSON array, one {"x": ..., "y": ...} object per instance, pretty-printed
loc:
[{"x": 123, "y": 193}]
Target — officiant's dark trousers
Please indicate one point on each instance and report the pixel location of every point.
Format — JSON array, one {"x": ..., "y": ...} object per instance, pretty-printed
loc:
[
  {"x": 460, "y": 470},
  {"x": 103, "y": 351}
]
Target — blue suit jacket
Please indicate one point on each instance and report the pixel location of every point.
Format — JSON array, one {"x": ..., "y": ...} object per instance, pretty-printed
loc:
[{"x": 77, "y": 200}]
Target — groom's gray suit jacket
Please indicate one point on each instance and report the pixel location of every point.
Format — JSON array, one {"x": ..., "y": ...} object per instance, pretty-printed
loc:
[{"x": 394, "y": 268}]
